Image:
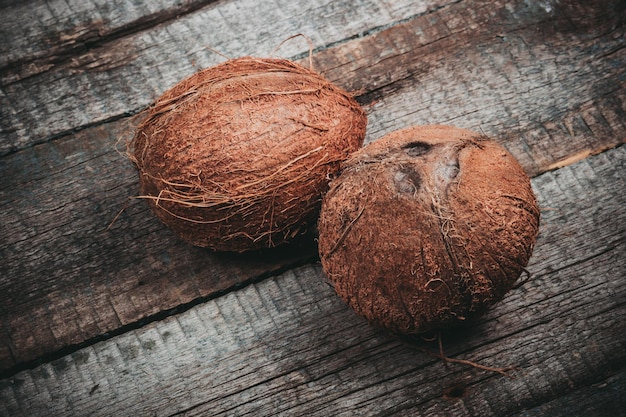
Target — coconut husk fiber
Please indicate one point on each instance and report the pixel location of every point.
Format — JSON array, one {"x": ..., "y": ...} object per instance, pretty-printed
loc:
[
  {"x": 427, "y": 227},
  {"x": 237, "y": 156}
]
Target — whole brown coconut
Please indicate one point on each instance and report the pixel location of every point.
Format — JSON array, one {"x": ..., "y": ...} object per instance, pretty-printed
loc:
[
  {"x": 237, "y": 156},
  {"x": 426, "y": 227}
]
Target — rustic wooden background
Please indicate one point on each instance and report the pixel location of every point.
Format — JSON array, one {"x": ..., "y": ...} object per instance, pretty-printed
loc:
[{"x": 112, "y": 318}]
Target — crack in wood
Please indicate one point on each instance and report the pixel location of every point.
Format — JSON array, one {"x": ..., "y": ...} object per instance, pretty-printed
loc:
[
  {"x": 159, "y": 316},
  {"x": 90, "y": 37}
]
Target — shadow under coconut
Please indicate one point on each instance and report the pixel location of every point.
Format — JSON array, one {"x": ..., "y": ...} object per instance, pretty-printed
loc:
[
  {"x": 168, "y": 276},
  {"x": 300, "y": 250}
]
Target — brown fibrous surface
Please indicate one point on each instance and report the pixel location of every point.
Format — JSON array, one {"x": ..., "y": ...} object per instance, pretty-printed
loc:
[
  {"x": 427, "y": 227},
  {"x": 238, "y": 156}
]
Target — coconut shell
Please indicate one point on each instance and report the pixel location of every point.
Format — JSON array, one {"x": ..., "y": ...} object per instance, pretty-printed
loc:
[
  {"x": 237, "y": 156},
  {"x": 427, "y": 227}
]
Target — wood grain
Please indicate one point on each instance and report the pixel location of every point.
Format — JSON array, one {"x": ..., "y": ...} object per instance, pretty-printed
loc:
[
  {"x": 534, "y": 80},
  {"x": 288, "y": 346},
  {"x": 122, "y": 313},
  {"x": 40, "y": 35},
  {"x": 117, "y": 75},
  {"x": 73, "y": 270},
  {"x": 68, "y": 278}
]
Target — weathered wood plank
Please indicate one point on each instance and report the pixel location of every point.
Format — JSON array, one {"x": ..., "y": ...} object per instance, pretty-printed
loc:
[
  {"x": 66, "y": 279},
  {"x": 288, "y": 346},
  {"x": 563, "y": 83},
  {"x": 125, "y": 73},
  {"x": 546, "y": 78},
  {"x": 550, "y": 76},
  {"x": 600, "y": 399},
  {"x": 37, "y": 36},
  {"x": 545, "y": 41}
]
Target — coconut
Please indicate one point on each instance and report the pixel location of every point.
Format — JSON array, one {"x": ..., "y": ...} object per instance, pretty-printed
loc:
[
  {"x": 237, "y": 156},
  {"x": 427, "y": 227}
]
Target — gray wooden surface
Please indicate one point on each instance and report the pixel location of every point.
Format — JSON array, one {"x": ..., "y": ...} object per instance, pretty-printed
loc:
[{"x": 103, "y": 317}]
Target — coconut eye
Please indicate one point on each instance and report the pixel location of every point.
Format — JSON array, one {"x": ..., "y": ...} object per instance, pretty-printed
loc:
[
  {"x": 417, "y": 148},
  {"x": 407, "y": 180},
  {"x": 448, "y": 171}
]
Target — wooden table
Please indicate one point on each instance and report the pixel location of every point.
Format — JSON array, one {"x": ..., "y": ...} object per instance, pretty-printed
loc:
[{"x": 103, "y": 311}]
